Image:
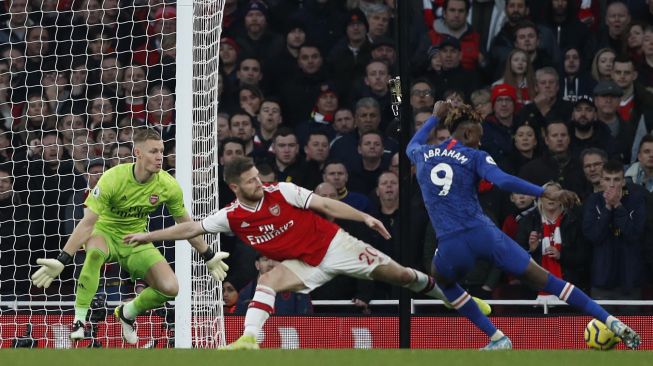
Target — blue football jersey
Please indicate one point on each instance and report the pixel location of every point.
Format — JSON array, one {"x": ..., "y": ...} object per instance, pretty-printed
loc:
[{"x": 448, "y": 175}]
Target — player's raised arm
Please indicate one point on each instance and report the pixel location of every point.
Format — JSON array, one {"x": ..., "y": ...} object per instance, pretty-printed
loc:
[
  {"x": 339, "y": 210},
  {"x": 440, "y": 110}
]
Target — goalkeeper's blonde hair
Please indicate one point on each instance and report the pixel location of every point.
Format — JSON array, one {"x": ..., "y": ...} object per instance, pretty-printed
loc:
[{"x": 144, "y": 134}]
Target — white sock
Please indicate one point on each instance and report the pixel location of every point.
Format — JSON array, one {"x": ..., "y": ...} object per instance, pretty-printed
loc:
[
  {"x": 259, "y": 310},
  {"x": 497, "y": 335},
  {"x": 423, "y": 282},
  {"x": 80, "y": 314},
  {"x": 129, "y": 310}
]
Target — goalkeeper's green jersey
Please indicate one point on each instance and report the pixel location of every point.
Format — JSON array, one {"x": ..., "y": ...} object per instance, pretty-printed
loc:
[{"x": 123, "y": 204}]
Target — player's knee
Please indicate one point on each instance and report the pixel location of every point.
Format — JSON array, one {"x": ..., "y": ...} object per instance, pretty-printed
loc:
[
  {"x": 406, "y": 277},
  {"x": 170, "y": 288},
  {"x": 95, "y": 256}
]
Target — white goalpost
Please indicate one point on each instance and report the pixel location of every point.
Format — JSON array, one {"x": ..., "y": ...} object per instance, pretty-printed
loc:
[{"x": 76, "y": 79}]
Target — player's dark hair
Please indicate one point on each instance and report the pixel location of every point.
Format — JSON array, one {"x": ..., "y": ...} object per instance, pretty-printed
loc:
[
  {"x": 236, "y": 167},
  {"x": 613, "y": 166},
  {"x": 144, "y": 134},
  {"x": 459, "y": 115}
]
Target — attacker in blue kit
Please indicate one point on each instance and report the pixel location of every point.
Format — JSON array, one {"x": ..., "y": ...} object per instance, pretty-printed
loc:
[{"x": 448, "y": 175}]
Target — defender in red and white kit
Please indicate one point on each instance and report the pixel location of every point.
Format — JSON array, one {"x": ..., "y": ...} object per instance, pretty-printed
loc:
[{"x": 278, "y": 221}]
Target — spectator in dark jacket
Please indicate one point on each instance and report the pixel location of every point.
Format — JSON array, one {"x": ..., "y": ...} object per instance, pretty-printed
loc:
[
  {"x": 498, "y": 126},
  {"x": 614, "y": 223},
  {"x": 557, "y": 164}
]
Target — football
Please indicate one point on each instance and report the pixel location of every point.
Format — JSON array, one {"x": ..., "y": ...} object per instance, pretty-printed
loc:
[{"x": 598, "y": 336}]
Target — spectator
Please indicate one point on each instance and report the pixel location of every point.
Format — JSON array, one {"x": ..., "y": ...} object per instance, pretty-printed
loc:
[
  {"x": 160, "y": 107},
  {"x": 593, "y": 160},
  {"x": 378, "y": 17},
  {"x": 613, "y": 221},
  {"x": 498, "y": 126},
  {"x": 557, "y": 164},
  {"x": 229, "y": 148},
  {"x": 617, "y": 18},
  {"x": 230, "y": 297},
  {"x": 546, "y": 105},
  {"x": 249, "y": 72},
  {"x": 367, "y": 118},
  {"x": 36, "y": 116},
  {"x": 364, "y": 172},
  {"x": 121, "y": 154},
  {"x": 641, "y": 171},
  {"x": 223, "y": 130},
  {"x": 134, "y": 89},
  {"x": 101, "y": 112},
  {"x": 525, "y": 149},
  {"x": 269, "y": 121},
  {"x": 587, "y": 131},
  {"x": 521, "y": 205},
  {"x": 317, "y": 152},
  {"x": 325, "y": 22},
  {"x": 126, "y": 128},
  {"x": 553, "y": 235},
  {"x": 351, "y": 54},
  {"x": 481, "y": 100},
  {"x": 624, "y": 75},
  {"x": 110, "y": 76},
  {"x": 387, "y": 192},
  {"x": 335, "y": 173},
  {"x": 635, "y": 41},
  {"x": 520, "y": 75},
  {"x": 241, "y": 126},
  {"x": 375, "y": 85},
  {"x": 265, "y": 173},
  {"x": 606, "y": 99},
  {"x": 300, "y": 93},
  {"x": 170, "y": 158},
  {"x": 602, "y": 64},
  {"x": 421, "y": 94},
  {"x": 451, "y": 74},
  {"x": 453, "y": 23},
  {"x": 343, "y": 123},
  {"x": 322, "y": 115},
  {"x": 645, "y": 71},
  {"x": 288, "y": 165},
  {"x": 383, "y": 49},
  {"x": 286, "y": 303},
  {"x": 258, "y": 40},
  {"x": 527, "y": 38},
  {"x": 575, "y": 80},
  {"x": 568, "y": 31},
  {"x": 78, "y": 151},
  {"x": 286, "y": 65},
  {"x": 250, "y": 98},
  {"x": 229, "y": 65},
  {"x": 15, "y": 27}
]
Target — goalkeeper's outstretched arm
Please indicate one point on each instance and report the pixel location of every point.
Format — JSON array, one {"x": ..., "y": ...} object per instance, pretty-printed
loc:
[{"x": 81, "y": 233}]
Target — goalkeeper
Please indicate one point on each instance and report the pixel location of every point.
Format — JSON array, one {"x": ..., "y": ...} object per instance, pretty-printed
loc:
[{"x": 120, "y": 204}]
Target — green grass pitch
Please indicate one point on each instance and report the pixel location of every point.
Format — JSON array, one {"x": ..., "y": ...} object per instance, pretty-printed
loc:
[{"x": 128, "y": 357}]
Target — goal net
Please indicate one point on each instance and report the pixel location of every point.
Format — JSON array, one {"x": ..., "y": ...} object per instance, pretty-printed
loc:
[{"x": 77, "y": 78}]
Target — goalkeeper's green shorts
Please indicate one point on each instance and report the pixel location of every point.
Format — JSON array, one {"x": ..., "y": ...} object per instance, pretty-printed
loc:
[{"x": 136, "y": 260}]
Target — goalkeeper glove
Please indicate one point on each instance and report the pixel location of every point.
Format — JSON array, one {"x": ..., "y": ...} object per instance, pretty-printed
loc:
[
  {"x": 50, "y": 269},
  {"x": 217, "y": 268}
]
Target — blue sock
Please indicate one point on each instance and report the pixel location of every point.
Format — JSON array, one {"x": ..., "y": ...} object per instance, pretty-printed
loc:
[
  {"x": 465, "y": 305},
  {"x": 575, "y": 297}
]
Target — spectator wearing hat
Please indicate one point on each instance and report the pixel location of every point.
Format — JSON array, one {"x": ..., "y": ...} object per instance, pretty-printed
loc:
[
  {"x": 383, "y": 49},
  {"x": 258, "y": 40},
  {"x": 286, "y": 66},
  {"x": 322, "y": 115},
  {"x": 607, "y": 95},
  {"x": 586, "y": 131},
  {"x": 498, "y": 126},
  {"x": 351, "y": 54},
  {"x": 557, "y": 163},
  {"x": 301, "y": 91},
  {"x": 229, "y": 64},
  {"x": 453, "y": 23},
  {"x": 451, "y": 74}
]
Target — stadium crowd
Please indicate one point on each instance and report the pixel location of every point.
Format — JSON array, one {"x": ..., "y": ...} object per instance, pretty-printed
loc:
[{"x": 565, "y": 88}]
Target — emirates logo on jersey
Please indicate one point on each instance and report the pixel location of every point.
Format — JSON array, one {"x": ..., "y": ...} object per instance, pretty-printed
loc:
[
  {"x": 154, "y": 199},
  {"x": 275, "y": 210}
]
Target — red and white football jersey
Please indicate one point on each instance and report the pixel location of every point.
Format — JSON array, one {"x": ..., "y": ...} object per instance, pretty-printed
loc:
[{"x": 280, "y": 227}]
